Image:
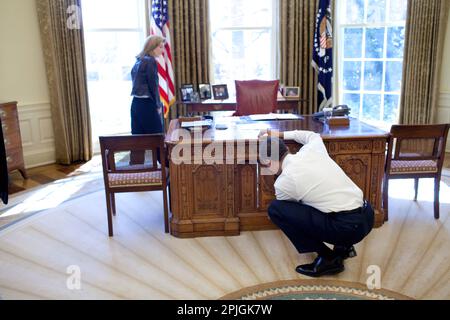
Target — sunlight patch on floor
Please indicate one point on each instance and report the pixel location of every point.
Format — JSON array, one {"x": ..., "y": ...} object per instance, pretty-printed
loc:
[
  {"x": 51, "y": 195},
  {"x": 404, "y": 189}
]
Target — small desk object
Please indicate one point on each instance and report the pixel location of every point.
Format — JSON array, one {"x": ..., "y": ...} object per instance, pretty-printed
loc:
[{"x": 210, "y": 198}]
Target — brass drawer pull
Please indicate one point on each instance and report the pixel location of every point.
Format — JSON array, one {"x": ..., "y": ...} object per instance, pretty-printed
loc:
[
  {"x": 8, "y": 159},
  {"x": 2, "y": 113},
  {"x": 6, "y": 141},
  {"x": 4, "y": 126}
]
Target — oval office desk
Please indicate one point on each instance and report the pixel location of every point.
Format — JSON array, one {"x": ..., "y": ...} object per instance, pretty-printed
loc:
[
  {"x": 224, "y": 199},
  {"x": 230, "y": 105}
]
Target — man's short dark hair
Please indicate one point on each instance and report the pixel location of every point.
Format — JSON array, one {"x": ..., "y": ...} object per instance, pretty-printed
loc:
[{"x": 271, "y": 148}]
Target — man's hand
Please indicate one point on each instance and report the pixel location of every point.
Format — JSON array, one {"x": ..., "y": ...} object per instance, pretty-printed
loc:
[{"x": 271, "y": 133}]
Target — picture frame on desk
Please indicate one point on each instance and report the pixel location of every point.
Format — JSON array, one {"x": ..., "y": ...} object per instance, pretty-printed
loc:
[
  {"x": 291, "y": 92},
  {"x": 186, "y": 91},
  {"x": 204, "y": 90},
  {"x": 220, "y": 91}
]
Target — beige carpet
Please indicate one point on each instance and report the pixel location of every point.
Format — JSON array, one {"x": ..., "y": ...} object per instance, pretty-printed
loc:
[{"x": 64, "y": 235}]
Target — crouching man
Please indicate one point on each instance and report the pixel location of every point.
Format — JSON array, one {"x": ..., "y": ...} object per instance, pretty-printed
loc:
[{"x": 316, "y": 202}]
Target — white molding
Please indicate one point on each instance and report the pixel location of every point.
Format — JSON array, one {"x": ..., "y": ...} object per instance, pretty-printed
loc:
[
  {"x": 443, "y": 112},
  {"x": 37, "y": 140},
  {"x": 444, "y": 100}
]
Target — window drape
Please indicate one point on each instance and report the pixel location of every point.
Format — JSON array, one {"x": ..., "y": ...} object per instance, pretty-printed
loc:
[
  {"x": 189, "y": 27},
  {"x": 425, "y": 30},
  {"x": 63, "y": 46},
  {"x": 297, "y": 26}
]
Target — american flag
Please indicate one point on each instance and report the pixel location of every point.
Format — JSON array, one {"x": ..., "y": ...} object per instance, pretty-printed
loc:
[{"x": 159, "y": 25}]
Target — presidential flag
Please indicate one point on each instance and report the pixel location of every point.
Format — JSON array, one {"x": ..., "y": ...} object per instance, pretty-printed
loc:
[
  {"x": 322, "y": 60},
  {"x": 159, "y": 25}
]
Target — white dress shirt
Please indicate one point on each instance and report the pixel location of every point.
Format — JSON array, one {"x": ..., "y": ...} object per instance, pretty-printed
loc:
[{"x": 312, "y": 177}]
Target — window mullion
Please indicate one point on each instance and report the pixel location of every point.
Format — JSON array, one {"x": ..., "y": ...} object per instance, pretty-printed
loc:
[
  {"x": 383, "y": 79},
  {"x": 363, "y": 67}
]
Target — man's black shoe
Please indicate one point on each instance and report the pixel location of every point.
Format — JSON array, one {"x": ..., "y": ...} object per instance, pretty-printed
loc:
[
  {"x": 345, "y": 252},
  {"x": 321, "y": 266}
]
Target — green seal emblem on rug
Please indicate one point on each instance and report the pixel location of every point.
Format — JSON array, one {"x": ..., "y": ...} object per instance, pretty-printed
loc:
[{"x": 313, "y": 290}]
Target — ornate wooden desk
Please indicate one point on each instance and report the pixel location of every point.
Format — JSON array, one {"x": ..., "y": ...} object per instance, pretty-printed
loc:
[
  {"x": 209, "y": 199},
  {"x": 230, "y": 105}
]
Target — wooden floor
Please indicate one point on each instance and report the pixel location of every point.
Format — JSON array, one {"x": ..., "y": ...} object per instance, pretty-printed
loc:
[
  {"x": 48, "y": 174},
  {"x": 142, "y": 262}
]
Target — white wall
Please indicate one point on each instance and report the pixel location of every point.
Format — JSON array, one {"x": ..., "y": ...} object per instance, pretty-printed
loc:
[
  {"x": 443, "y": 112},
  {"x": 23, "y": 78}
]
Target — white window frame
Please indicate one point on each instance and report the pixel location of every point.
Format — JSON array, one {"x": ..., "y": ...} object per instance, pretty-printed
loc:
[{"x": 339, "y": 57}]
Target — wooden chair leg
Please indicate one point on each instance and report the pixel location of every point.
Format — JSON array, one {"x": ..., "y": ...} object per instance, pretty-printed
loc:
[
  {"x": 113, "y": 203},
  {"x": 109, "y": 213},
  {"x": 385, "y": 197},
  {"x": 416, "y": 188},
  {"x": 166, "y": 213},
  {"x": 170, "y": 197},
  {"x": 437, "y": 181},
  {"x": 23, "y": 172}
]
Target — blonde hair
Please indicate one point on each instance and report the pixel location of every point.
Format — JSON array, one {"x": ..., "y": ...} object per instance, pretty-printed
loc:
[{"x": 151, "y": 43}]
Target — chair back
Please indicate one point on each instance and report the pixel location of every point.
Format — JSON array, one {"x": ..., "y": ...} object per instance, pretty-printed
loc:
[
  {"x": 256, "y": 97},
  {"x": 117, "y": 154},
  {"x": 417, "y": 143}
]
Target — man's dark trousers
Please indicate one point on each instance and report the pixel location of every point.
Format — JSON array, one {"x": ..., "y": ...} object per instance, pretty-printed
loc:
[{"x": 308, "y": 228}]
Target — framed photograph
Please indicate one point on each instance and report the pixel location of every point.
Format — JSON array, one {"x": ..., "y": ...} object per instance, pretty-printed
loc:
[
  {"x": 205, "y": 91},
  {"x": 187, "y": 91},
  {"x": 292, "y": 92},
  {"x": 220, "y": 91}
]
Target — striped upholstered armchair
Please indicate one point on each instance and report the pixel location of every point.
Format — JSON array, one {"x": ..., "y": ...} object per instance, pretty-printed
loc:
[{"x": 414, "y": 152}]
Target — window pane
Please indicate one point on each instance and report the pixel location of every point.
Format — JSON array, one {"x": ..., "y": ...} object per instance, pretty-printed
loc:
[
  {"x": 374, "y": 42},
  {"x": 238, "y": 13},
  {"x": 109, "y": 59},
  {"x": 352, "y": 75},
  {"x": 391, "y": 102},
  {"x": 371, "y": 107},
  {"x": 373, "y": 75},
  {"x": 241, "y": 55},
  {"x": 353, "y": 101},
  {"x": 376, "y": 11},
  {"x": 398, "y": 10},
  {"x": 114, "y": 14},
  {"x": 395, "y": 42},
  {"x": 355, "y": 11},
  {"x": 111, "y": 54},
  {"x": 393, "y": 76},
  {"x": 353, "y": 42}
]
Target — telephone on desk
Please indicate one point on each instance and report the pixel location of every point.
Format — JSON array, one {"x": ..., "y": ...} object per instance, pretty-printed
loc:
[{"x": 339, "y": 111}]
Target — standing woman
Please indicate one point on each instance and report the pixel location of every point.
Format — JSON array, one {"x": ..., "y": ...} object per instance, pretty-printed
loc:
[{"x": 146, "y": 108}]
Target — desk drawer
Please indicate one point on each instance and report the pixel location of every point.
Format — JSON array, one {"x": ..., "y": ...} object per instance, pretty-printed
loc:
[
  {"x": 8, "y": 112},
  {"x": 10, "y": 127},
  {"x": 14, "y": 159},
  {"x": 12, "y": 141}
]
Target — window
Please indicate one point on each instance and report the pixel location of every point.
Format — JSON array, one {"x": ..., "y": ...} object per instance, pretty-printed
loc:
[
  {"x": 243, "y": 39},
  {"x": 371, "y": 39},
  {"x": 114, "y": 32}
]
